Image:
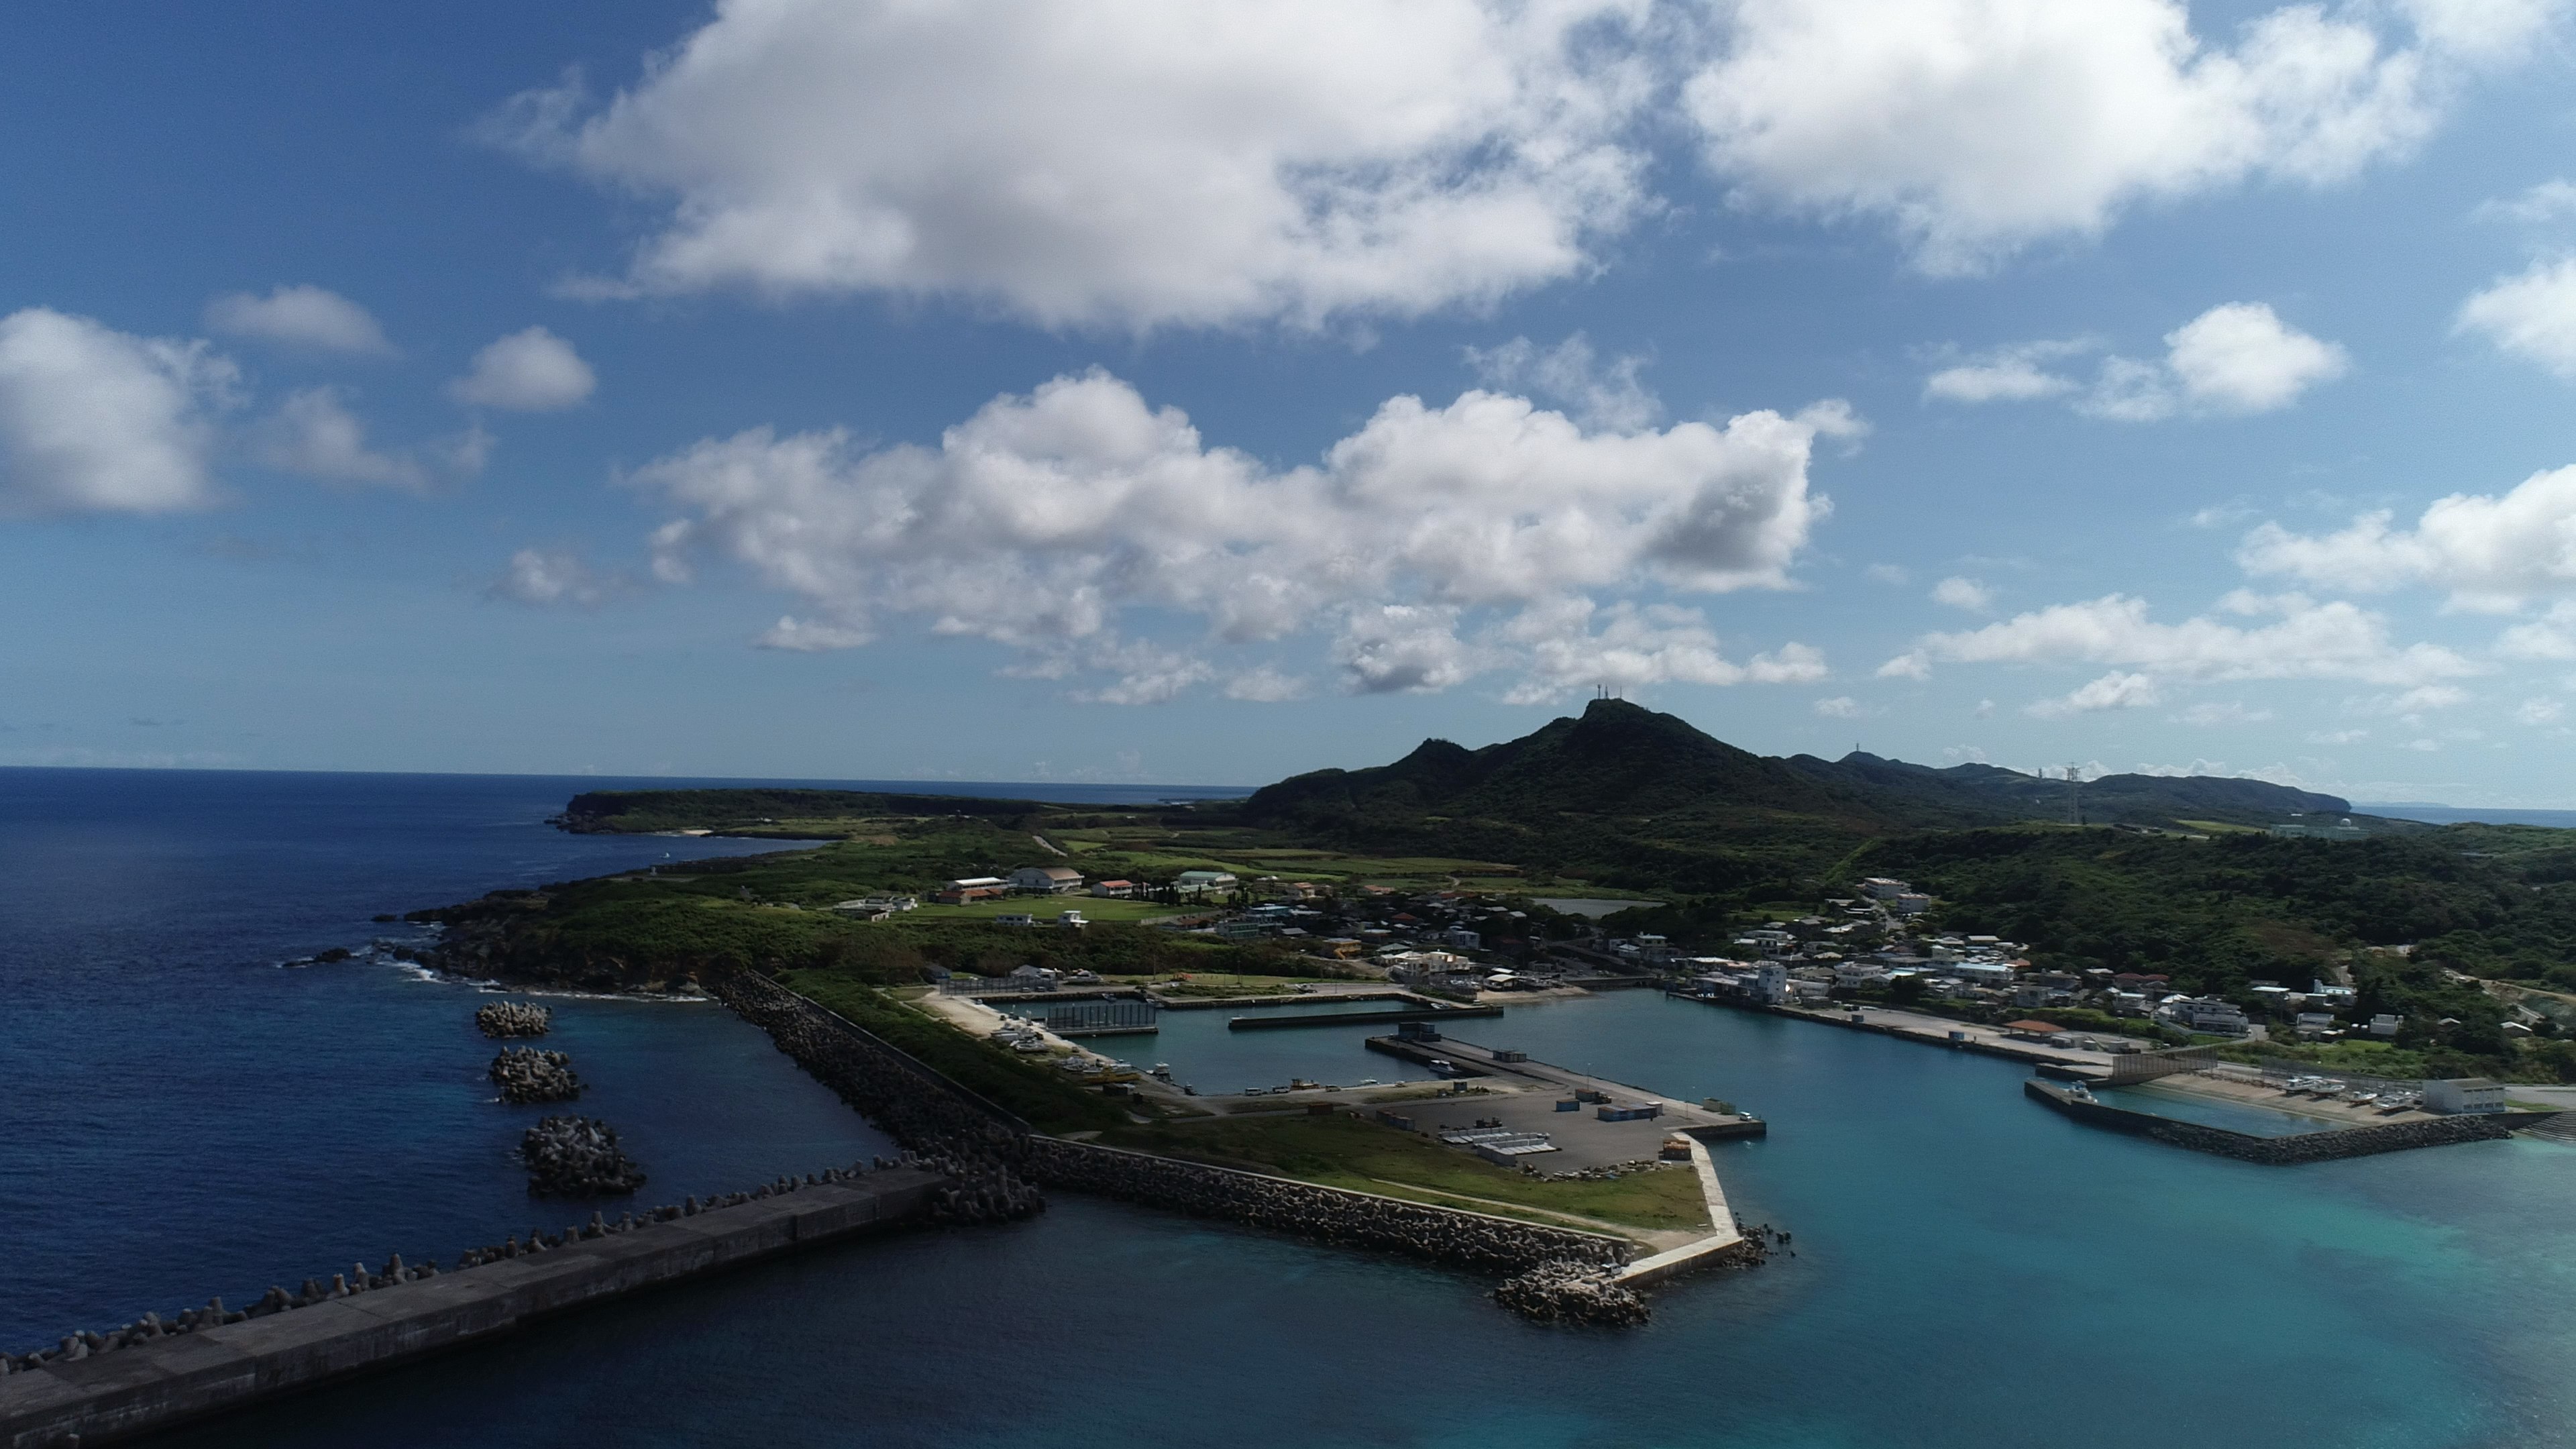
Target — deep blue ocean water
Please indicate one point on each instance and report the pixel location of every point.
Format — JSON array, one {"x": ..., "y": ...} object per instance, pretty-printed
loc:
[{"x": 181, "y": 1116}]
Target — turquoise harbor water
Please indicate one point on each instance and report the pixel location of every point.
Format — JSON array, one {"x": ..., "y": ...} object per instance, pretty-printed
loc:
[{"x": 1972, "y": 1269}]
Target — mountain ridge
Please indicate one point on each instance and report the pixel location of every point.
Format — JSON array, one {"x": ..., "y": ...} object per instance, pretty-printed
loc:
[{"x": 1620, "y": 761}]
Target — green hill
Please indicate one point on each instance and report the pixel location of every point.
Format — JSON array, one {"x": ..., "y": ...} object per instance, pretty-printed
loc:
[{"x": 1628, "y": 796}]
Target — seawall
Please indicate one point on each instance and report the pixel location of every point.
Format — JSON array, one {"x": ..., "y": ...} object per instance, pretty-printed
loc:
[
  {"x": 168, "y": 1379},
  {"x": 2306, "y": 1147},
  {"x": 1359, "y": 1018},
  {"x": 1329, "y": 1214},
  {"x": 2035, "y": 1056},
  {"x": 928, "y": 1111}
]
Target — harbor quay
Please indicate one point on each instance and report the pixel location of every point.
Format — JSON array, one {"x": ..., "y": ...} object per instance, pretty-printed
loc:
[
  {"x": 1607, "y": 1124},
  {"x": 2333, "y": 1144},
  {"x": 1928, "y": 1030}
]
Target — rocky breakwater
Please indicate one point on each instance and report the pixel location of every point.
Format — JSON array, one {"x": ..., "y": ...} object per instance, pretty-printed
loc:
[
  {"x": 1328, "y": 1214},
  {"x": 525, "y": 1074},
  {"x": 570, "y": 1156},
  {"x": 1571, "y": 1291},
  {"x": 919, "y": 1107},
  {"x": 512, "y": 1019}
]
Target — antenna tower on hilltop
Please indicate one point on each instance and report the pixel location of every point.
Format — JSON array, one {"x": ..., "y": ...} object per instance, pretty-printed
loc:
[{"x": 2075, "y": 794}]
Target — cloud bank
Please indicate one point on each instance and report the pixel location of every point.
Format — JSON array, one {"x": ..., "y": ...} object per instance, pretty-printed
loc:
[
  {"x": 1435, "y": 543},
  {"x": 1227, "y": 162},
  {"x": 1976, "y": 127},
  {"x": 1185, "y": 162}
]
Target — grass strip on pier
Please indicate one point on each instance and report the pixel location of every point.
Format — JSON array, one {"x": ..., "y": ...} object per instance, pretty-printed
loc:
[{"x": 1369, "y": 1157}]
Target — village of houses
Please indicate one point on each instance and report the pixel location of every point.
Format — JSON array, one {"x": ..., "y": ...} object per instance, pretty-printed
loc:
[{"x": 1870, "y": 947}]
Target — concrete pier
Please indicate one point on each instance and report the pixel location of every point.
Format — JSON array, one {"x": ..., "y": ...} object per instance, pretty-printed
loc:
[
  {"x": 1361, "y": 1018},
  {"x": 1723, "y": 1244},
  {"x": 164, "y": 1381},
  {"x": 2325, "y": 1146}
]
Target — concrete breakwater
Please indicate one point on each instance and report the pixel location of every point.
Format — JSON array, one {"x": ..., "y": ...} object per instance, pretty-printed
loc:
[
  {"x": 2291, "y": 1151},
  {"x": 1359, "y": 1018},
  {"x": 1328, "y": 1214},
  {"x": 526, "y": 1074},
  {"x": 1561, "y": 1275},
  {"x": 513, "y": 1018},
  {"x": 994, "y": 1151},
  {"x": 152, "y": 1373}
]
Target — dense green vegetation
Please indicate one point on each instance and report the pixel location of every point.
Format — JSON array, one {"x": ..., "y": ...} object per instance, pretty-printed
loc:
[{"x": 773, "y": 912}]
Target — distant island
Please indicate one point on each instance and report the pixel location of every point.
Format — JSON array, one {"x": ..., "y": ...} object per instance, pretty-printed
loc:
[{"x": 2230, "y": 889}]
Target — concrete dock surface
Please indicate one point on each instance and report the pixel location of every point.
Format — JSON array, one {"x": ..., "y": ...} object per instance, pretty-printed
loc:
[{"x": 127, "y": 1391}]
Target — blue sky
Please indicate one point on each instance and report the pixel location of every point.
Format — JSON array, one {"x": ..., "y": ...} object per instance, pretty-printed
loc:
[{"x": 1199, "y": 393}]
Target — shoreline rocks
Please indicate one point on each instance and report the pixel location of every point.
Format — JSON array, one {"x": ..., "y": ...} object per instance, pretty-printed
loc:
[
  {"x": 513, "y": 1018},
  {"x": 527, "y": 1074},
  {"x": 1571, "y": 1291},
  {"x": 570, "y": 1156}
]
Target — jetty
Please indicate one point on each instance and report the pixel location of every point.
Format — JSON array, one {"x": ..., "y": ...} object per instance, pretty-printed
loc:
[
  {"x": 2328, "y": 1145},
  {"x": 1358, "y": 1018},
  {"x": 87, "y": 1397}
]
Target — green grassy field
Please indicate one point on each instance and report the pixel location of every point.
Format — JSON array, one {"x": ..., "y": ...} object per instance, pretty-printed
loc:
[{"x": 1349, "y": 1152}]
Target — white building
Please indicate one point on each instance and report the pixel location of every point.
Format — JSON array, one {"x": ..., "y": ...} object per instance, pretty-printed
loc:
[
  {"x": 1911, "y": 903},
  {"x": 1049, "y": 879},
  {"x": 1771, "y": 983},
  {"x": 1882, "y": 888},
  {"x": 2464, "y": 1094},
  {"x": 1200, "y": 882},
  {"x": 2205, "y": 1013}
]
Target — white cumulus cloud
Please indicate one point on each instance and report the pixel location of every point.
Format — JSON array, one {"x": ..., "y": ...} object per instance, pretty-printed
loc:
[
  {"x": 1569, "y": 375},
  {"x": 2235, "y": 358},
  {"x": 2112, "y": 691},
  {"x": 2490, "y": 551},
  {"x": 2307, "y": 640},
  {"x": 2018, "y": 373},
  {"x": 530, "y": 371},
  {"x": 2241, "y": 358},
  {"x": 2535, "y": 205},
  {"x": 97, "y": 420},
  {"x": 544, "y": 577},
  {"x": 315, "y": 434},
  {"x": 1156, "y": 162},
  {"x": 1043, "y": 522},
  {"x": 1633, "y": 646},
  {"x": 301, "y": 316},
  {"x": 1966, "y": 594},
  {"x": 1978, "y": 126},
  {"x": 2532, "y": 315}
]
